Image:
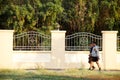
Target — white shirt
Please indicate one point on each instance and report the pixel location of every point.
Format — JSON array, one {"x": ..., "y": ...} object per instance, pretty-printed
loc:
[{"x": 95, "y": 51}]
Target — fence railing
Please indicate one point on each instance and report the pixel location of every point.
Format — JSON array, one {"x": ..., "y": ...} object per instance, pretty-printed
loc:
[
  {"x": 35, "y": 41},
  {"x": 118, "y": 43},
  {"x": 80, "y": 41},
  {"x": 32, "y": 41}
]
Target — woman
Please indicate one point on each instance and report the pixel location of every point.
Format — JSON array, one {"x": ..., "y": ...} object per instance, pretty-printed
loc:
[
  {"x": 94, "y": 56},
  {"x": 90, "y": 57}
]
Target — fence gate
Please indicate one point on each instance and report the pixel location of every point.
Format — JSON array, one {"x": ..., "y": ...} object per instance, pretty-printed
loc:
[
  {"x": 80, "y": 41},
  {"x": 32, "y": 41}
]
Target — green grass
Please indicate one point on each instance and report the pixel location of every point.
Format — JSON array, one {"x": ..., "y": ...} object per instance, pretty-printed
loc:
[{"x": 69, "y": 74}]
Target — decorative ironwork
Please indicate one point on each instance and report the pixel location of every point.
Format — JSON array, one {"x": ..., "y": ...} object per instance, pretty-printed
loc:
[
  {"x": 118, "y": 43},
  {"x": 80, "y": 41},
  {"x": 32, "y": 41},
  {"x": 83, "y": 41}
]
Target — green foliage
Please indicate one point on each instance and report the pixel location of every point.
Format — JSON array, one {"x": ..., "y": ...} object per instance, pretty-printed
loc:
[
  {"x": 26, "y": 15},
  {"x": 110, "y": 23},
  {"x": 72, "y": 18},
  {"x": 72, "y": 15},
  {"x": 109, "y": 16}
]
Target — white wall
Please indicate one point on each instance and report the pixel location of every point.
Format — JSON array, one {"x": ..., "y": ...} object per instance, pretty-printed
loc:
[
  {"x": 31, "y": 59},
  {"x": 31, "y": 56},
  {"x": 42, "y": 59},
  {"x": 57, "y": 58}
]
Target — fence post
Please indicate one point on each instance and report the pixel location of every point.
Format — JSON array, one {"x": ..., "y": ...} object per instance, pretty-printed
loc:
[
  {"x": 109, "y": 49},
  {"x": 6, "y": 48},
  {"x": 58, "y": 49}
]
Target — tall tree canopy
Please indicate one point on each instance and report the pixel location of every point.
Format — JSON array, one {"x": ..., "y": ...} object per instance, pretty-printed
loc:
[
  {"x": 79, "y": 15},
  {"x": 25, "y": 15},
  {"x": 72, "y": 15}
]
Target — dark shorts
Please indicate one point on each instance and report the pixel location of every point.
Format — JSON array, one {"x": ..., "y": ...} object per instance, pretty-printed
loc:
[{"x": 93, "y": 59}]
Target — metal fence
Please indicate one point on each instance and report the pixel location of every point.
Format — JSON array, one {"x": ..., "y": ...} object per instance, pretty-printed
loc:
[
  {"x": 80, "y": 41},
  {"x": 118, "y": 43},
  {"x": 32, "y": 41}
]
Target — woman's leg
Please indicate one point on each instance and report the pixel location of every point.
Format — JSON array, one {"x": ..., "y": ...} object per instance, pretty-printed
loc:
[
  {"x": 97, "y": 62},
  {"x": 91, "y": 65}
]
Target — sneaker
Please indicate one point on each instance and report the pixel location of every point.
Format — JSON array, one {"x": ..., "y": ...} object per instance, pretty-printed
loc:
[
  {"x": 93, "y": 67},
  {"x": 99, "y": 69},
  {"x": 89, "y": 69}
]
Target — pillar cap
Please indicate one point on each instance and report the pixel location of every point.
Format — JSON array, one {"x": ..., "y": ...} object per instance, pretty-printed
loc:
[
  {"x": 110, "y": 32},
  {"x": 6, "y": 31},
  {"x": 58, "y": 31}
]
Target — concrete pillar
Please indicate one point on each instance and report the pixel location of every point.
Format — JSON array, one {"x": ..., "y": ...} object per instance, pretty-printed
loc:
[
  {"x": 58, "y": 49},
  {"x": 6, "y": 48},
  {"x": 109, "y": 49}
]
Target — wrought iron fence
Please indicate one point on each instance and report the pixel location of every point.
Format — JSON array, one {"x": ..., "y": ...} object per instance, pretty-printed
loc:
[
  {"x": 80, "y": 41},
  {"x": 118, "y": 43},
  {"x": 32, "y": 41}
]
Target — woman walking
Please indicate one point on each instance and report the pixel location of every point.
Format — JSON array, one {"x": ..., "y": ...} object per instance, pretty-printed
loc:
[{"x": 94, "y": 56}]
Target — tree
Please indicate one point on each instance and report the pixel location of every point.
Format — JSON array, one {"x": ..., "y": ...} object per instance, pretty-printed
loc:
[
  {"x": 72, "y": 15},
  {"x": 109, "y": 16},
  {"x": 48, "y": 14},
  {"x": 79, "y": 15},
  {"x": 25, "y": 15}
]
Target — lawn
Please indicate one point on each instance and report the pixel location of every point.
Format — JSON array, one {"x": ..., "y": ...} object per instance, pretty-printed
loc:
[{"x": 68, "y": 74}]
